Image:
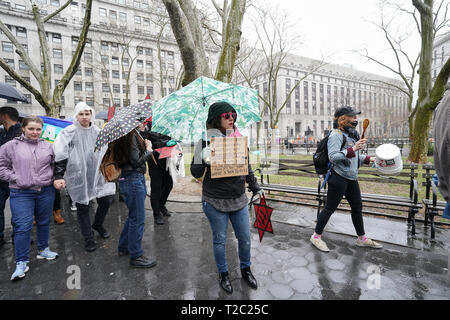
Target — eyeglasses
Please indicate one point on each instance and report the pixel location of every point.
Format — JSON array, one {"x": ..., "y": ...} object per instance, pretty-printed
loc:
[{"x": 227, "y": 115}]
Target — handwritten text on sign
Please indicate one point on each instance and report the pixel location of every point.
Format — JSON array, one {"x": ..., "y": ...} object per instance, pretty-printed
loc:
[{"x": 229, "y": 158}]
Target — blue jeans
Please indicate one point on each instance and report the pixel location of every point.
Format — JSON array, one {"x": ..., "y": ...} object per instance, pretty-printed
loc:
[
  {"x": 26, "y": 203},
  {"x": 219, "y": 224},
  {"x": 134, "y": 190},
  {"x": 4, "y": 194}
]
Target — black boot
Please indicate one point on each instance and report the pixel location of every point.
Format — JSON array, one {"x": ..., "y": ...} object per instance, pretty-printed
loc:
[
  {"x": 158, "y": 219},
  {"x": 248, "y": 276},
  {"x": 225, "y": 282},
  {"x": 165, "y": 212},
  {"x": 90, "y": 246}
]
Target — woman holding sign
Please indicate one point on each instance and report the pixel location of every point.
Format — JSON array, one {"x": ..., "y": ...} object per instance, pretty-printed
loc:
[{"x": 224, "y": 199}]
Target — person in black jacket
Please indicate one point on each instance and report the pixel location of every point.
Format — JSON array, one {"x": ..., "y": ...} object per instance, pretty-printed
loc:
[
  {"x": 225, "y": 199},
  {"x": 131, "y": 152},
  {"x": 161, "y": 182}
]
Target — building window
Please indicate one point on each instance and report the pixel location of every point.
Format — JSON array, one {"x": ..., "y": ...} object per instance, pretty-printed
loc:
[
  {"x": 150, "y": 91},
  {"x": 54, "y": 3},
  {"x": 88, "y": 72},
  {"x": 116, "y": 88},
  {"x": 140, "y": 64},
  {"x": 105, "y": 74},
  {"x": 146, "y": 22},
  {"x": 58, "y": 68},
  {"x": 139, "y": 50},
  {"x": 7, "y": 46},
  {"x": 140, "y": 76},
  {"x": 104, "y": 46},
  {"x": 88, "y": 56},
  {"x": 74, "y": 5},
  {"x": 10, "y": 80},
  {"x": 105, "y": 88},
  {"x": 21, "y": 32},
  {"x": 57, "y": 53},
  {"x": 78, "y": 99},
  {"x": 148, "y": 52},
  {"x": 115, "y": 61},
  {"x": 78, "y": 73},
  {"x": 125, "y": 75},
  {"x": 56, "y": 38},
  {"x": 115, "y": 74},
  {"x": 149, "y": 77},
  {"x": 122, "y": 16},
  {"x": 125, "y": 62},
  {"x": 113, "y": 14},
  {"x": 106, "y": 102},
  {"x": 321, "y": 106},
  {"x": 23, "y": 65},
  {"x": 75, "y": 41},
  {"x": 288, "y": 99},
  {"x": 305, "y": 98},
  {"x": 90, "y": 101},
  {"x": 137, "y": 20},
  {"x": 313, "y": 96},
  {"x": 21, "y": 7},
  {"x": 77, "y": 86},
  {"x": 148, "y": 65},
  {"x": 102, "y": 12},
  {"x": 140, "y": 90},
  {"x": 89, "y": 86}
]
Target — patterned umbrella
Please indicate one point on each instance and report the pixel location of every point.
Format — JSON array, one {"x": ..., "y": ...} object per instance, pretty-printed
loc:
[
  {"x": 182, "y": 114},
  {"x": 124, "y": 120}
]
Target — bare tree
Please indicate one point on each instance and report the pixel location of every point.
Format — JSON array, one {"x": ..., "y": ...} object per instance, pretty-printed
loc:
[
  {"x": 187, "y": 29},
  {"x": 406, "y": 64},
  {"x": 428, "y": 95},
  {"x": 51, "y": 102}
]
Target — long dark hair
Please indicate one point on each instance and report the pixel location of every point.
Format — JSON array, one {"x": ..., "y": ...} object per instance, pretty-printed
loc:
[{"x": 122, "y": 148}]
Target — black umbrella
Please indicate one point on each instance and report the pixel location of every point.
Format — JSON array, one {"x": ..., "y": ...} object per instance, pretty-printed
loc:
[
  {"x": 11, "y": 93},
  {"x": 124, "y": 121}
]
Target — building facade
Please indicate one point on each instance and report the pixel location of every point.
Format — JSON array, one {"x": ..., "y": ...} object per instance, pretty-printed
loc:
[
  {"x": 121, "y": 57},
  {"x": 310, "y": 108},
  {"x": 441, "y": 53}
]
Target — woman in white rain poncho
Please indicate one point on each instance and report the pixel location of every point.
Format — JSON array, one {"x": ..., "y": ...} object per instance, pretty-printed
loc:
[{"x": 77, "y": 168}]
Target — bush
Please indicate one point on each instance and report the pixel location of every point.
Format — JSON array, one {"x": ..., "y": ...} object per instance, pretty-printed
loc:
[{"x": 430, "y": 149}]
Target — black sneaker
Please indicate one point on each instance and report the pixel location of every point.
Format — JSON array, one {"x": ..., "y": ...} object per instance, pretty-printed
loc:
[
  {"x": 101, "y": 231},
  {"x": 158, "y": 219},
  {"x": 90, "y": 246},
  {"x": 165, "y": 212},
  {"x": 143, "y": 262}
]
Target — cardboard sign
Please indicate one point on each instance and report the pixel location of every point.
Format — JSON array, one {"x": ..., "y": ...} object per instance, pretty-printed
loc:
[{"x": 229, "y": 158}]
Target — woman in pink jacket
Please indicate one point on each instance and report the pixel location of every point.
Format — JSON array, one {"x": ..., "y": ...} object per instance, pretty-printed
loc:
[{"x": 27, "y": 163}]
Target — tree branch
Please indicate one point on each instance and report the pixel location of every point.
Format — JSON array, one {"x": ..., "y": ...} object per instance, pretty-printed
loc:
[{"x": 50, "y": 16}]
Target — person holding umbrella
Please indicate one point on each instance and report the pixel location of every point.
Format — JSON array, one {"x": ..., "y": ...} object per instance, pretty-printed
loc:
[
  {"x": 224, "y": 198},
  {"x": 77, "y": 169},
  {"x": 130, "y": 153}
]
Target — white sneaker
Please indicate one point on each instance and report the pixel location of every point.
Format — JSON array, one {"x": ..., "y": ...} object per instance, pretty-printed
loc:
[
  {"x": 319, "y": 244},
  {"x": 73, "y": 207},
  {"x": 368, "y": 243},
  {"x": 47, "y": 254},
  {"x": 21, "y": 269}
]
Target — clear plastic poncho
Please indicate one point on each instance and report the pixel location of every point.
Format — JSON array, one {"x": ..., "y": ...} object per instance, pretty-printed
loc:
[{"x": 83, "y": 178}]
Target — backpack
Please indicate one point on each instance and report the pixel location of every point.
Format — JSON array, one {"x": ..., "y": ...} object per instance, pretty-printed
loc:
[
  {"x": 320, "y": 157},
  {"x": 109, "y": 168}
]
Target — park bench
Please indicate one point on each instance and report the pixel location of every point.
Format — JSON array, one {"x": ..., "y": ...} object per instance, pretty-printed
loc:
[
  {"x": 316, "y": 196},
  {"x": 433, "y": 207}
]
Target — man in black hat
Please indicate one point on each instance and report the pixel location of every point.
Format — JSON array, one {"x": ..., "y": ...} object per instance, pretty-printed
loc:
[{"x": 345, "y": 160}]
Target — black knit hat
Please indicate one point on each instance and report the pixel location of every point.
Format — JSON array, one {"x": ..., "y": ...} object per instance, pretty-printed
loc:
[{"x": 217, "y": 108}]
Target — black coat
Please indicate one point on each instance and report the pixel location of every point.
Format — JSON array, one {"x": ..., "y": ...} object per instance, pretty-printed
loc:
[{"x": 221, "y": 188}]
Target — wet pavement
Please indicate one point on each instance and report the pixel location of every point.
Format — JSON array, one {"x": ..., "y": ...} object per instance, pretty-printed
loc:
[{"x": 285, "y": 264}]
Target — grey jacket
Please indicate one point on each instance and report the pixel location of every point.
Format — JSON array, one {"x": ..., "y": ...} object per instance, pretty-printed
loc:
[
  {"x": 345, "y": 160},
  {"x": 441, "y": 125}
]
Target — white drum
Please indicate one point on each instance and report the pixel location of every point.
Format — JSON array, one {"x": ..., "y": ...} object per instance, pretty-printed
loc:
[{"x": 388, "y": 160}]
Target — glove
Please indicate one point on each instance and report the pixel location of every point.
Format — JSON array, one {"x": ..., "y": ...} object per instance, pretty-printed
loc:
[{"x": 206, "y": 155}]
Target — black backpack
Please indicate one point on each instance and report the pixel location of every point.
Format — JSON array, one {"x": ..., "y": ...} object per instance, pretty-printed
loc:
[{"x": 320, "y": 157}]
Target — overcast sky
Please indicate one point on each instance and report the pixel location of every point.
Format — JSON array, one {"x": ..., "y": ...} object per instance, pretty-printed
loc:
[{"x": 337, "y": 27}]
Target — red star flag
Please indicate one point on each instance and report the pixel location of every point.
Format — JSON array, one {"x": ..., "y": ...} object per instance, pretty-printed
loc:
[{"x": 263, "y": 213}]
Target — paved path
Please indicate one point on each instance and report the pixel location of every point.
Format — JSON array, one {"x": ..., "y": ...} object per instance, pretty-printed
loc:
[{"x": 285, "y": 263}]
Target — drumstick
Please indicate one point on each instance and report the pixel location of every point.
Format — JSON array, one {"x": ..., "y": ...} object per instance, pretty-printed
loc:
[{"x": 365, "y": 125}]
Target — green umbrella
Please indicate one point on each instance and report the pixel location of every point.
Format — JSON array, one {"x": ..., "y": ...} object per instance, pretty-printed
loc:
[{"x": 182, "y": 114}]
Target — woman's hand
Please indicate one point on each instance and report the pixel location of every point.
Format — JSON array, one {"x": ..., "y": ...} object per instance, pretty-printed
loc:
[
  {"x": 359, "y": 145},
  {"x": 59, "y": 184},
  {"x": 148, "y": 145}
]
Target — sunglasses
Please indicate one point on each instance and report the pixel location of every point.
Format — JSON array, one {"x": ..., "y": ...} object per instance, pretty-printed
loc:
[{"x": 227, "y": 115}]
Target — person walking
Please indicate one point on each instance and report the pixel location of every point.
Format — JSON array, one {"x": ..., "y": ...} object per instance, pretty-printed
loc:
[
  {"x": 161, "y": 182},
  {"x": 131, "y": 153},
  {"x": 343, "y": 179},
  {"x": 77, "y": 169},
  {"x": 9, "y": 119},
  {"x": 27, "y": 162},
  {"x": 225, "y": 199}
]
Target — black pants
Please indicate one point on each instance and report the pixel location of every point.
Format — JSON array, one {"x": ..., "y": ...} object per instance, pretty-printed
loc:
[
  {"x": 161, "y": 184},
  {"x": 85, "y": 221},
  {"x": 337, "y": 188}
]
